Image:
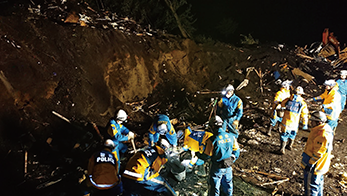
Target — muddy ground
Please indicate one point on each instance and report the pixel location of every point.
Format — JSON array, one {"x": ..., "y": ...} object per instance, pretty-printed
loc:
[{"x": 86, "y": 73}]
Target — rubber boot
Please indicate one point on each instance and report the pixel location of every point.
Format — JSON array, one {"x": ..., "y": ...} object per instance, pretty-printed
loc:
[
  {"x": 201, "y": 171},
  {"x": 290, "y": 144},
  {"x": 269, "y": 131},
  {"x": 283, "y": 145}
]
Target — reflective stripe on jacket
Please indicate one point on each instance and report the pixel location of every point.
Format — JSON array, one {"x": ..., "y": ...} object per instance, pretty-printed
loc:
[
  {"x": 145, "y": 164},
  {"x": 331, "y": 103},
  {"x": 295, "y": 107},
  {"x": 318, "y": 149},
  {"x": 195, "y": 140}
]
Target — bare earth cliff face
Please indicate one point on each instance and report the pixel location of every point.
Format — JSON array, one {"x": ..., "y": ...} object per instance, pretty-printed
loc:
[{"x": 86, "y": 74}]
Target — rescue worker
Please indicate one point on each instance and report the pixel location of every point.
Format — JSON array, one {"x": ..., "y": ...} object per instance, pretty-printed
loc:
[
  {"x": 230, "y": 109},
  {"x": 223, "y": 150},
  {"x": 331, "y": 102},
  {"x": 119, "y": 134},
  {"x": 141, "y": 175},
  {"x": 195, "y": 141},
  {"x": 281, "y": 95},
  {"x": 295, "y": 107},
  {"x": 103, "y": 172},
  {"x": 162, "y": 126},
  {"x": 317, "y": 154},
  {"x": 342, "y": 83}
]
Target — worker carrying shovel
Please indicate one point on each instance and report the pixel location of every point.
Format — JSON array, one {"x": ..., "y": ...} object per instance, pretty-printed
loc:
[{"x": 230, "y": 109}]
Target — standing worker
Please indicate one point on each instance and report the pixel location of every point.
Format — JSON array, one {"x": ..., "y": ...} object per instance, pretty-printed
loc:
[
  {"x": 342, "y": 83},
  {"x": 317, "y": 155},
  {"x": 141, "y": 175},
  {"x": 119, "y": 134},
  {"x": 295, "y": 107},
  {"x": 331, "y": 102},
  {"x": 223, "y": 150},
  {"x": 195, "y": 141},
  {"x": 162, "y": 126},
  {"x": 281, "y": 95},
  {"x": 103, "y": 172},
  {"x": 230, "y": 109}
]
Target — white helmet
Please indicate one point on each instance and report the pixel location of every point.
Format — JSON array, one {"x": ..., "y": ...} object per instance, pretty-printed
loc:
[
  {"x": 343, "y": 72},
  {"x": 164, "y": 144},
  {"x": 216, "y": 120},
  {"x": 229, "y": 88},
  {"x": 286, "y": 83},
  {"x": 122, "y": 115},
  {"x": 299, "y": 90},
  {"x": 162, "y": 128},
  {"x": 319, "y": 116},
  {"x": 329, "y": 83},
  {"x": 110, "y": 144}
]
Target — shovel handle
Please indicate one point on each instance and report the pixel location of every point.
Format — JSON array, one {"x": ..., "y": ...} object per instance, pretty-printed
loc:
[{"x": 133, "y": 143}]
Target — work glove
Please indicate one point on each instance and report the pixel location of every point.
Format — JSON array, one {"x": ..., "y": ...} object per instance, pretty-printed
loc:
[
  {"x": 131, "y": 135},
  {"x": 236, "y": 124},
  {"x": 305, "y": 127}
]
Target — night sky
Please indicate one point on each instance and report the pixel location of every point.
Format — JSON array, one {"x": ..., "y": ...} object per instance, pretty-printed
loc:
[{"x": 291, "y": 22}]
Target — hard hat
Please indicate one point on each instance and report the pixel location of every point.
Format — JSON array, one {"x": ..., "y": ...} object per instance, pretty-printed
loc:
[
  {"x": 164, "y": 144},
  {"x": 109, "y": 144},
  {"x": 216, "y": 120},
  {"x": 319, "y": 116},
  {"x": 122, "y": 115},
  {"x": 286, "y": 83},
  {"x": 162, "y": 128},
  {"x": 329, "y": 83},
  {"x": 229, "y": 88},
  {"x": 343, "y": 72},
  {"x": 299, "y": 90}
]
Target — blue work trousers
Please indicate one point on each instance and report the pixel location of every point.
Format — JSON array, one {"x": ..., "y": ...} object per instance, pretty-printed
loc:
[
  {"x": 275, "y": 119},
  {"x": 343, "y": 102},
  {"x": 291, "y": 134},
  {"x": 147, "y": 187},
  {"x": 221, "y": 177},
  {"x": 228, "y": 123},
  {"x": 120, "y": 149},
  {"x": 313, "y": 184},
  {"x": 332, "y": 124}
]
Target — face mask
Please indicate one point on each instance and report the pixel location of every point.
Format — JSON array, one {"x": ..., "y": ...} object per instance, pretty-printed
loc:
[{"x": 228, "y": 95}]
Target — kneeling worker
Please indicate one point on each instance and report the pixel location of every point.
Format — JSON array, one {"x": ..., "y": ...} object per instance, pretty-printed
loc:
[{"x": 141, "y": 175}]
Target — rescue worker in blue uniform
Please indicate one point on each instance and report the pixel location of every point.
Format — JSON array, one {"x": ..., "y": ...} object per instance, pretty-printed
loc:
[
  {"x": 119, "y": 134},
  {"x": 316, "y": 157},
  {"x": 295, "y": 108},
  {"x": 223, "y": 150},
  {"x": 342, "y": 83},
  {"x": 230, "y": 109},
  {"x": 281, "y": 95},
  {"x": 103, "y": 172},
  {"x": 331, "y": 102},
  {"x": 195, "y": 141},
  {"x": 162, "y": 126},
  {"x": 141, "y": 175}
]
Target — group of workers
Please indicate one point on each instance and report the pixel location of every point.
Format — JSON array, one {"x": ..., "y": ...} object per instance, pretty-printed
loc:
[
  {"x": 218, "y": 142},
  {"x": 291, "y": 109}
]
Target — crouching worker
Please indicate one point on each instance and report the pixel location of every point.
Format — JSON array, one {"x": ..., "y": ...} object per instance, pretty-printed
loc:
[
  {"x": 162, "y": 126},
  {"x": 195, "y": 141},
  {"x": 317, "y": 154},
  {"x": 141, "y": 175},
  {"x": 103, "y": 172},
  {"x": 223, "y": 150},
  {"x": 295, "y": 108}
]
